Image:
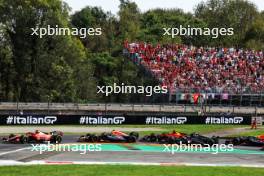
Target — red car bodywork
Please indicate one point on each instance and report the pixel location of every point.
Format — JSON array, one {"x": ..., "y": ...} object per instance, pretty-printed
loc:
[
  {"x": 174, "y": 134},
  {"x": 261, "y": 137},
  {"x": 41, "y": 136},
  {"x": 118, "y": 133},
  {"x": 34, "y": 137}
]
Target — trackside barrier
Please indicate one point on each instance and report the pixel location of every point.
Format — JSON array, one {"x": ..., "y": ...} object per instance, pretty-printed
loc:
[
  {"x": 170, "y": 108},
  {"x": 87, "y": 119}
]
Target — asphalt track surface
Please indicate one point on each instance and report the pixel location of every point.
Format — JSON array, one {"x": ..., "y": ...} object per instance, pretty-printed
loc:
[{"x": 129, "y": 153}]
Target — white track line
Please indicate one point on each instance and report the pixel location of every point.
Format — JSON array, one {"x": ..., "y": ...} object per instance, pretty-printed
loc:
[
  {"x": 14, "y": 151},
  {"x": 39, "y": 162}
]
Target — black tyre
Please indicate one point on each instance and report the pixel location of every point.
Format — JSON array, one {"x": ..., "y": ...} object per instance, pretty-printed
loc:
[
  {"x": 215, "y": 139},
  {"x": 135, "y": 134},
  {"x": 103, "y": 136},
  {"x": 171, "y": 140},
  {"x": 57, "y": 139},
  {"x": 30, "y": 139},
  {"x": 153, "y": 138},
  {"x": 236, "y": 141},
  {"x": 131, "y": 139},
  {"x": 11, "y": 135},
  {"x": 144, "y": 139},
  {"x": 93, "y": 138},
  {"x": 161, "y": 139},
  {"x": 81, "y": 138},
  {"x": 23, "y": 139}
]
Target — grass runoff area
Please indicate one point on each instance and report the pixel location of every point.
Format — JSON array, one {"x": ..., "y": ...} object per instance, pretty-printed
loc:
[
  {"x": 127, "y": 170},
  {"x": 256, "y": 132},
  {"x": 203, "y": 129}
]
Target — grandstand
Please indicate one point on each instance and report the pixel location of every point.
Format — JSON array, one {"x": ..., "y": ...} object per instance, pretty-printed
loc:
[{"x": 215, "y": 76}]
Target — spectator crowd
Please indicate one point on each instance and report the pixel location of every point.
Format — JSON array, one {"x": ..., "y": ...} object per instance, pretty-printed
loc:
[{"x": 201, "y": 69}]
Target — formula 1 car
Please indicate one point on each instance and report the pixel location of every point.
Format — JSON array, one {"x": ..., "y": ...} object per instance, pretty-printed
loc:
[
  {"x": 257, "y": 141},
  {"x": 180, "y": 138},
  {"x": 196, "y": 138},
  {"x": 114, "y": 136},
  {"x": 36, "y": 137},
  {"x": 12, "y": 138},
  {"x": 166, "y": 138}
]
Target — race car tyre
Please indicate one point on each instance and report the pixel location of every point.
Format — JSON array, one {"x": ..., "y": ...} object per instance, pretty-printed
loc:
[
  {"x": 81, "y": 139},
  {"x": 56, "y": 139},
  {"x": 103, "y": 136},
  {"x": 131, "y": 139},
  {"x": 215, "y": 139},
  {"x": 23, "y": 139},
  {"x": 93, "y": 138},
  {"x": 173, "y": 140},
  {"x": 11, "y": 135},
  {"x": 134, "y": 134},
  {"x": 236, "y": 141},
  {"x": 88, "y": 134},
  {"x": 30, "y": 139},
  {"x": 153, "y": 138}
]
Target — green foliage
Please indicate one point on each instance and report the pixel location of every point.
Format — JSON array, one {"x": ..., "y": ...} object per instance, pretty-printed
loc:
[
  {"x": 129, "y": 20},
  {"x": 95, "y": 17},
  {"x": 255, "y": 35},
  {"x": 237, "y": 14},
  {"x": 38, "y": 69}
]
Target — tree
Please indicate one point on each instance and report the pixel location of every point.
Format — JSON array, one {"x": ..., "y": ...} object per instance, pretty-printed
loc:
[
  {"x": 95, "y": 17},
  {"x": 42, "y": 68},
  {"x": 129, "y": 23},
  {"x": 236, "y": 14},
  {"x": 255, "y": 35}
]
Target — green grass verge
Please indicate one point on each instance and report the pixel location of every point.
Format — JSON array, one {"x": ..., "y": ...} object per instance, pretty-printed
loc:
[
  {"x": 197, "y": 128},
  {"x": 251, "y": 132},
  {"x": 114, "y": 170}
]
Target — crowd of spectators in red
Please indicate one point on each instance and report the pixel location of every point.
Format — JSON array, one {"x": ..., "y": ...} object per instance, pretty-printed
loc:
[{"x": 201, "y": 69}]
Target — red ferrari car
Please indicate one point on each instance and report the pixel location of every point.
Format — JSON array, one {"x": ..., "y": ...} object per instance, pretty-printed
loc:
[
  {"x": 36, "y": 137},
  {"x": 173, "y": 137},
  {"x": 174, "y": 134}
]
